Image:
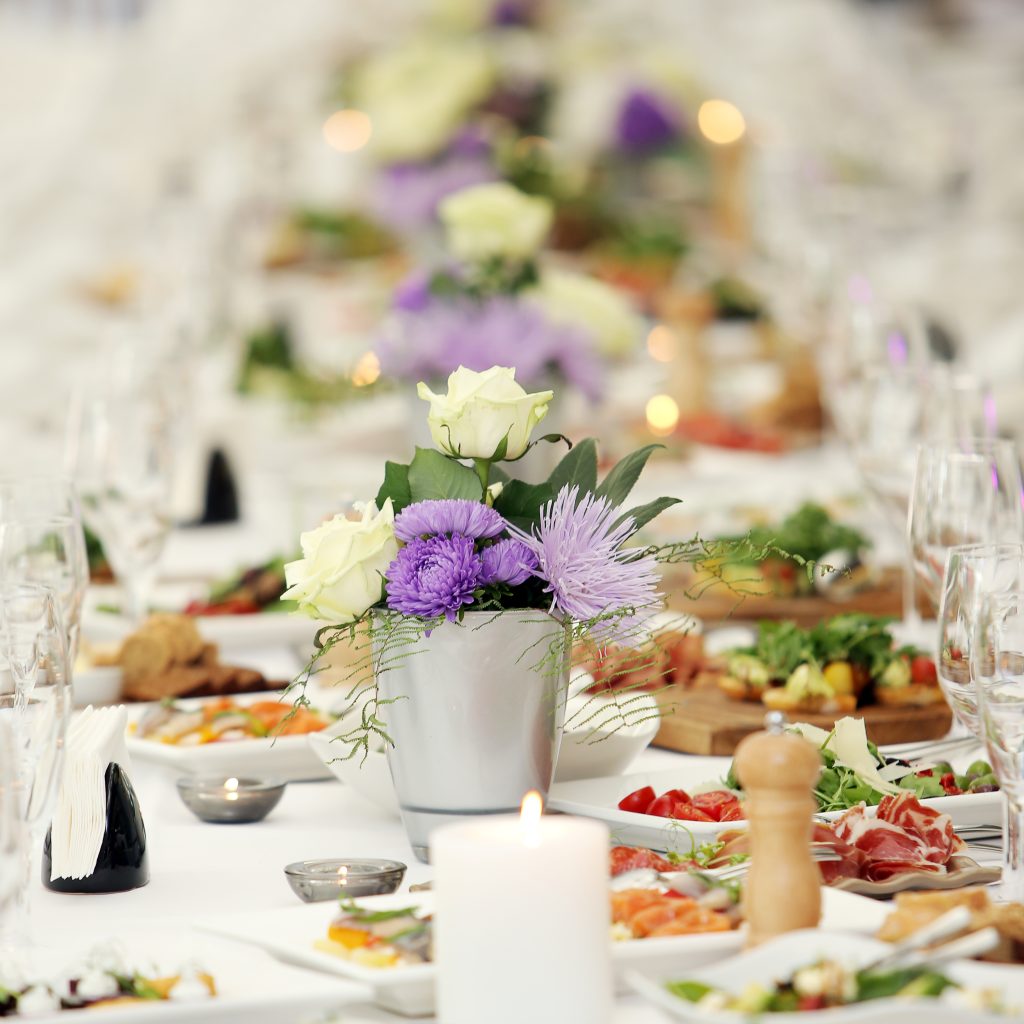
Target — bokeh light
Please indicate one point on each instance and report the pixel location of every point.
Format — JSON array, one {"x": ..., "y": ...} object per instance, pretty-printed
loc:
[
  {"x": 367, "y": 370},
  {"x": 347, "y": 130},
  {"x": 662, "y": 343},
  {"x": 720, "y": 122},
  {"x": 662, "y": 415}
]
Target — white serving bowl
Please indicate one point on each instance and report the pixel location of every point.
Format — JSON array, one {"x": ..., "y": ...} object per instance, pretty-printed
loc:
[
  {"x": 97, "y": 686},
  {"x": 370, "y": 777}
]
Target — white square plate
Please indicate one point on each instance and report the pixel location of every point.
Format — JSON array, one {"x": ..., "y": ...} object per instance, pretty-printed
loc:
[
  {"x": 287, "y": 758},
  {"x": 289, "y": 934},
  {"x": 779, "y": 958},
  {"x": 599, "y": 799}
]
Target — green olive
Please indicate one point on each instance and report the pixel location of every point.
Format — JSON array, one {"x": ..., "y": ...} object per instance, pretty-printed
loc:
[
  {"x": 942, "y": 768},
  {"x": 984, "y": 784},
  {"x": 978, "y": 768},
  {"x": 963, "y": 782}
]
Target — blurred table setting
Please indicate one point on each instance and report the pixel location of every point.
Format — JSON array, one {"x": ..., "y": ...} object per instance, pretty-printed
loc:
[{"x": 511, "y": 510}]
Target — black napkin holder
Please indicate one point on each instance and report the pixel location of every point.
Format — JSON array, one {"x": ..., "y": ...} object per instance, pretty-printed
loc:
[{"x": 122, "y": 863}]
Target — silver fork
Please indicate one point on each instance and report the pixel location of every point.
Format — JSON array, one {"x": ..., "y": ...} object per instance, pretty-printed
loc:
[{"x": 927, "y": 748}]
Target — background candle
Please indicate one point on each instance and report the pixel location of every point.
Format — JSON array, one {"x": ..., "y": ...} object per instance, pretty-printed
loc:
[{"x": 522, "y": 926}]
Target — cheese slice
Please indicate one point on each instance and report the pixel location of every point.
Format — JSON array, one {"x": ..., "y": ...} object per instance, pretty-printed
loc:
[{"x": 849, "y": 743}]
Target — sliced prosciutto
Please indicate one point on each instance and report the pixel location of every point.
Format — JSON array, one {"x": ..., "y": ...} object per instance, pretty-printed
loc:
[{"x": 903, "y": 836}]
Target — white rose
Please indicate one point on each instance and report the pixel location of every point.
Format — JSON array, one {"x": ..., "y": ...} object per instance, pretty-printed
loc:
[
  {"x": 576, "y": 299},
  {"x": 495, "y": 220},
  {"x": 341, "y": 572},
  {"x": 480, "y": 410},
  {"x": 418, "y": 96}
]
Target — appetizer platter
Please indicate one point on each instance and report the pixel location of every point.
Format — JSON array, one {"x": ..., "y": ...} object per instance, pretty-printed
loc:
[
  {"x": 779, "y": 587},
  {"x": 307, "y": 936},
  {"x": 846, "y": 663},
  {"x": 165, "y": 658},
  {"x": 668, "y": 810},
  {"x": 238, "y": 736},
  {"x": 789, "y": 976}
]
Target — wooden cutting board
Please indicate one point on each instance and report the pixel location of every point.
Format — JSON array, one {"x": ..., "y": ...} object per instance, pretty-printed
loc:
[
  {"x": 703, "y": 720},
  {"x": 717, "y": 602}
]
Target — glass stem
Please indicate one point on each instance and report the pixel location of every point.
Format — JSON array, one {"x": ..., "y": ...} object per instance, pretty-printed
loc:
[
  {"x": 910, "y": 613},
  {"x": 137, "y": 590},
  {"x": 1012, "y": 887},
  {"x": 16, "y": 933}
]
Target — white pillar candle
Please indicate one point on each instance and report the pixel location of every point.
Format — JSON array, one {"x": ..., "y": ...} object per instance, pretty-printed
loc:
[{"x": 522, "y": 922}]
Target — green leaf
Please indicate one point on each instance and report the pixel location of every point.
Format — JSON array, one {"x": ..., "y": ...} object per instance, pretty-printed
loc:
[
  {"x": 520, "y": 503},
  {"x": 619, "y": 482},
  {"x": 395, "y": 486},
  {"x": 433, "y": 475},
  {"x": 502, "y": 449},
  {"x": 643, "y": 514},
  {"x": 577, "y": 468}
]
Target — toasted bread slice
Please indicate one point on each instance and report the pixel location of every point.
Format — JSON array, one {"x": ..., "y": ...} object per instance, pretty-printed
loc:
[
  {"x": 778, "y": 698},
  {"x": 914, "y": 695}
]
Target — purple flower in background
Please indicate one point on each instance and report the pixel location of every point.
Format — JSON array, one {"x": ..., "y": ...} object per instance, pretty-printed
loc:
[
  {"x": 413, "y": 292},
  {"x": 498, "y": 331},
  {"x": 471, "y": 519},
  {"x": 646, "y": 122},
  {"x": 407, "y": 195},
  {"x": 512, "y": 12},
  {"x": 509, "y": 561},
  {"x": 588, "y": 573},
  {"x": 433, "y": 577}
]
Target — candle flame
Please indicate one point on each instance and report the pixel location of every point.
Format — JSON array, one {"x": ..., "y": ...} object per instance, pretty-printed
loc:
[
  {"x": 721, "y": 122},
  {"x": 347, "y": 130},
  {"x": 529, "y": 817},
  {"x": 231, "y": 789},
  {"x": 662, "y": 415}
]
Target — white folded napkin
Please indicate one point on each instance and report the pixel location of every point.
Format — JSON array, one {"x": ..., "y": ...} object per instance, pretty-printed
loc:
[{"x": 95, "y": 740}]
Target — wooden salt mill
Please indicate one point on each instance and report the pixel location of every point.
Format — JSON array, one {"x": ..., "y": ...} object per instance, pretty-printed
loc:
[{"x": 778, "y": 771}]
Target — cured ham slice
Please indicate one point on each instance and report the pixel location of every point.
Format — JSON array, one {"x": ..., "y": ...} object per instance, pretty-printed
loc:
[{"x": 934, "y": 830}]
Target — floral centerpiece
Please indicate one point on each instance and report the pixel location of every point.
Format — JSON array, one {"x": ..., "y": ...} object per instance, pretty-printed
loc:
[
  {"x": 494, "y": 301},
  {"x": 467, "y": 588}
]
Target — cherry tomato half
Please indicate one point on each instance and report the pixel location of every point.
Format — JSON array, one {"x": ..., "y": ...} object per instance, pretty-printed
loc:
[{"x": 638, "y": 801}]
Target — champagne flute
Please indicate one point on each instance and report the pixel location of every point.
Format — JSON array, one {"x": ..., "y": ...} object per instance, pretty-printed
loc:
[
  {"x": 964, "y": 492},
  {"x": 997, "y": 667},
  {"x": 50, "y": 551},
  {"x": 35, "y": 702},
  {"x": 11, "y": 829},
  {"x": 122, "y": 459}
]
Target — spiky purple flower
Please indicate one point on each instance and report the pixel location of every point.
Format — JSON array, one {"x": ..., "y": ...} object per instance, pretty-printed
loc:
[
  {"x": 588, "y": 573},
  {"x": 509, "y": 561},
  {"x": 433, "y": 577},
  {"x": 471, "y": 519}
]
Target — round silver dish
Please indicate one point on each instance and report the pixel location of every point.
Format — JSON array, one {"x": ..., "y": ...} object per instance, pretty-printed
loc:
[
  {"x": 316, "y": 880},
  {"x": 210, "y": 799}
]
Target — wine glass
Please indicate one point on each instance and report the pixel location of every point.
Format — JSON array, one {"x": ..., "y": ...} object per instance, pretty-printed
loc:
[
  {"x": 35, "y": 703},
  {"x": 997, "y": 668},
  {"x": 11, "y": 828},
  {"x": 50, "y": 551},
  {"x": 122, "y": 454},
  {"x": 964, "y": 492},
  {"x": 897, "y": 409}
]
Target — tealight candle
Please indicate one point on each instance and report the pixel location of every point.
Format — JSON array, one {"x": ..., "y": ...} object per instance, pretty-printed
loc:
[
  {"x": 230, "y": 801},
  {"x": 522, "y": 922}
]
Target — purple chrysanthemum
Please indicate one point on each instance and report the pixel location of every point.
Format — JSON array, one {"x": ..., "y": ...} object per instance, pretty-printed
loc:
[
  {"x": 471, "y": 519},
  {"x": 433, "y": 577},
  {"x": 407, "y": 195},
  {"x": 646, "y": 122},
  {"x": 589, "y": 575},
  {"x": 509, "y": 561},
  {"x": 430, "y": 343}
]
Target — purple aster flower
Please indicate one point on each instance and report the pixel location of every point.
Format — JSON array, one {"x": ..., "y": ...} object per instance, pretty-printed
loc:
[
  {"x": 498, "y": 331},
  {"x": 471, "y": 519},
  {"x": 646, "y": 122},
  {"x": 433, "y": 577},
  {"x": 407, "y": 195},
  {"x": 413, "y": 292},
  {"x": 509, "y": 561},
  {"x": 588, "y": 573}
]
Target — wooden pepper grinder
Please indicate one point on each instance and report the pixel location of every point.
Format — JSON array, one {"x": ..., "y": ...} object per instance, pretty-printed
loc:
[{"x": 778, "y": 771}]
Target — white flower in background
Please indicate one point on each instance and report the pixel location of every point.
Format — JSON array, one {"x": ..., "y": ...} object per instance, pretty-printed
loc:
[
  {"x": 480, "y": 410},
  {"x": 340, "y": 574},
  {"x": 496, "y": 219},
  {"x": 462, "y": 15},
  {"x": 576, "y": 299},
  {"x": 418, "y": 96}
]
